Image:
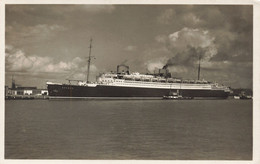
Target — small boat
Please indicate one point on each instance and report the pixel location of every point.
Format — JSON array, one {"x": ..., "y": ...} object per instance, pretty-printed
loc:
[
  {"x": 236, "y": 97},
  {"x": 175, "y": 96},
  {"x": 243, "y": 95},
  {"x": 172, "y": 95}
]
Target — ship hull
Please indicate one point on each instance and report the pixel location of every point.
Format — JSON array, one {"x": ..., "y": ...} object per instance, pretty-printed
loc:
[{"x": 117, "y": 92}]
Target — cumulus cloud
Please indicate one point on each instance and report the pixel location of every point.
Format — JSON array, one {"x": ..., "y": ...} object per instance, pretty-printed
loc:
[
  {"x": 183, "y": 49},
  {"x": 18, "y": 61},
  {"x": 188, "y": 45},
  {"x": 192, "y": 37}
]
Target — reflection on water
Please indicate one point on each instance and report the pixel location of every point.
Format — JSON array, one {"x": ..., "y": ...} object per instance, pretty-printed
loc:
[{"x": 136, "y": 129}]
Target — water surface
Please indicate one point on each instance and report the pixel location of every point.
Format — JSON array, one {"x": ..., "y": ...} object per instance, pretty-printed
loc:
[{"x": 133, "y": 129}]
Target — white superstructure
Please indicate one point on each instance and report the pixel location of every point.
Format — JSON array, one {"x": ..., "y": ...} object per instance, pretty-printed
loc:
[{"x": 149, "y": 81}]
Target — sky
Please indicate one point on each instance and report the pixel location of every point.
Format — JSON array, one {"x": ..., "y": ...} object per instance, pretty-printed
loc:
[{"x": 51, "y": 42}]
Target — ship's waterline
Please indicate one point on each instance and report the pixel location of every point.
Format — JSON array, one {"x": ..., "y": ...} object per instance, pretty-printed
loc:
[{"x": 133, "y": 91}]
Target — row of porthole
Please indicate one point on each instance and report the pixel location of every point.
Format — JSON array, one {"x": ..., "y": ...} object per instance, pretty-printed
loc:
[
  {"x": 164, "y": 85},
  {"x": 132, "y": 82},
  {"x": 151, "y": 81},
  {"x": 108, "y": 80},
  {"x": 67, "y": 88},
  {"x": 150, "y": 85}
]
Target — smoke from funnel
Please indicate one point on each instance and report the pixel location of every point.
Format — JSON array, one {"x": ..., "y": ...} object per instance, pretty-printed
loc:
[
  {"x": 188, "y": 45},
  {"x": 188, "y": 57}
]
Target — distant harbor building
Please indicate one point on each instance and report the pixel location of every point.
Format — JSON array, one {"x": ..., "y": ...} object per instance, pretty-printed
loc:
[
  {"x": 27, "y": 91},
  {"x": 13, "y": 92},
  {"x": 40, "y": 92},
  {"x": 18, "y": 91}
]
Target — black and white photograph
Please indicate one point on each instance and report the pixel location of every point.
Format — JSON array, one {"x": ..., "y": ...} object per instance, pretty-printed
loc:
[{"x": 128, "y": 82}]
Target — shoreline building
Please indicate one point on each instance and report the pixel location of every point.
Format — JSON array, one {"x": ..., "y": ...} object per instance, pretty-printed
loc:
[{"x": 17, "y": 90}]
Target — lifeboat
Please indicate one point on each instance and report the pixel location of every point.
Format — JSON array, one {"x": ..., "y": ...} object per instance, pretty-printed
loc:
[{"x": 154, "y": 79}]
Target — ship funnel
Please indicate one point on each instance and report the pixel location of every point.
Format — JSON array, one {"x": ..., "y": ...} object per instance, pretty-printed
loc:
[{"x": 122, "y": 65}]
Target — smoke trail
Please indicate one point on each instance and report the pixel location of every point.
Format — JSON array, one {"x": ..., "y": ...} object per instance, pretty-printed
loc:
[{"x": 188, "y": 45}]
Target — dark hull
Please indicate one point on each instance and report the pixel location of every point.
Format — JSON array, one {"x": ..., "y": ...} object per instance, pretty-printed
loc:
[{"x": 73, "y": 91}]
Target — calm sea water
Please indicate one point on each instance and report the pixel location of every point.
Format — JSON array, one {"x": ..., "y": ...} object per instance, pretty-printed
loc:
[{"x": 133, "y": 129}]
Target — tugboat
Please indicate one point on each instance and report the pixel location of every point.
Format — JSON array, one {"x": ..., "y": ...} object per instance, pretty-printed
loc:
[
  {"x": 175, "y": 96},
  {"x": 172, "y": 95}
]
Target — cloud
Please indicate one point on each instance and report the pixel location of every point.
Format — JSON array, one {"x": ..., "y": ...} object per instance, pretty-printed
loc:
[
  {"x": 67, "y": 10},
  {"x": 47, "y": 28},
  {"x": 130, "y": 48},
  {"x": 9, "y": 47},
  {"x": 156, "y": 63},
  {"x": 222, "y": 34},
  {"x": 192, "y": 37},
  {"x": 93, "y": 9},
  {"x": 187, "y": 45},
  {"x": 81, "y": 73},
  {"x": 191, "y": 18},
  {"x": 179, "y": 18},
  {"x": 161, "y": 38},
  {"x": 182, "y": 50},
  {"x": 32, "y": 34},
  {"x": 60, "y": 9},
  {"x": 166, "y": 17},
  {"x": 98, "y": 8},
  {"x": 18, "y": 61},
  {"x": 41, "y": 30}
]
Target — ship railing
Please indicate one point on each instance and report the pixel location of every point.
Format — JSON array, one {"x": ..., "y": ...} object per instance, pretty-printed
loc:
[
  {"x": 51, "y": 83},
  {"x": 158, "y": 79}
]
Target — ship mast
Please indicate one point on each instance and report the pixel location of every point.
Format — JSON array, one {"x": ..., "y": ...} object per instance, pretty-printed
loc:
[
  {"x": 199, "y": 69},
  {"x": 89, "y": 58}
]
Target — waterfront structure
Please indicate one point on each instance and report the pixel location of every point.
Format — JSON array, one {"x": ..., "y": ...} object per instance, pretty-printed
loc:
[
  {"x": 28, "y": 91},
  {"x": 17, "y": 90},
  {"x": 25, "y": 90}
]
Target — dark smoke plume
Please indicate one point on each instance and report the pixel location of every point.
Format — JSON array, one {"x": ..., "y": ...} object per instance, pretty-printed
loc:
[{"x": 188, "y": 57}]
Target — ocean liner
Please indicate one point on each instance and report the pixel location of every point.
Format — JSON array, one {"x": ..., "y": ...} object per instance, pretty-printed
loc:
[{"x": 125, "y": 85}]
